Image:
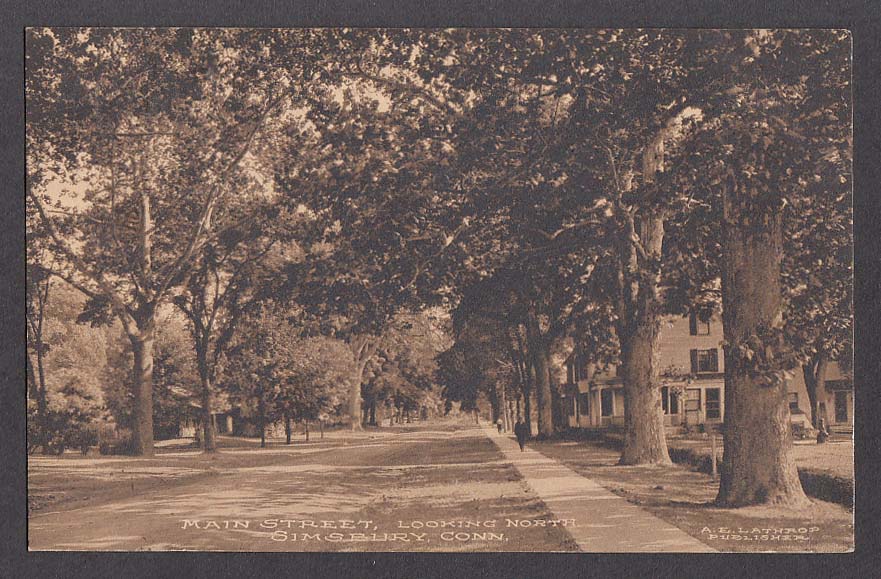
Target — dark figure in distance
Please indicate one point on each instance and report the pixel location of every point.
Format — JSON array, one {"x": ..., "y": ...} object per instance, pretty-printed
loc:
[
  {"x": 822, "y": 432},
  {"x": 521, "y": 431},
  {"x": 499, "y": 425}
]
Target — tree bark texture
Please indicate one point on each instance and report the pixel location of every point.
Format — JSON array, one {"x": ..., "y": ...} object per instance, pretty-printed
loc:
[
  {"x": 541, "y": 363},
  {"x": 362, "y": 349},
  {"x": 142, "y": 412},
  {"x": 355, "y": 396},
  {"x": 645, "y": 440},
  {"x": 757, "y": 467}
]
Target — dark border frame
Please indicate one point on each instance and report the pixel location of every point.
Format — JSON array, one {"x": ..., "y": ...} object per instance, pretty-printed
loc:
[{"x": 862, "y": 17}]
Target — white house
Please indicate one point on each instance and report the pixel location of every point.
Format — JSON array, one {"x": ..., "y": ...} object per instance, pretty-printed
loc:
[{"x": 693, "y": 383}]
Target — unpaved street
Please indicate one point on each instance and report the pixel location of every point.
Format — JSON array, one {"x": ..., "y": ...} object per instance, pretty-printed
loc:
[{"x": 444, "y": 488}]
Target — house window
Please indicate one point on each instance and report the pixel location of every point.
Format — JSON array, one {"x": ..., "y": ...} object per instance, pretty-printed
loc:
[
  {"x": 583, "y": 403},
  {"x": 693, "y": 400},
  {"x": 606, "y": 401},
  {"x": 697, "y": 327},
  {"x": 713, "y": 403},
  {"x": 669, "y": 401},
  {"x": 571, "y": 406},
  {"x": 793, "y": 401},
  {"x": 704, "y": 361}
]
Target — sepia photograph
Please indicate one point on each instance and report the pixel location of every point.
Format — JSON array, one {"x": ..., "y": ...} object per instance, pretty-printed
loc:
[{"x": 439, "y": 290}]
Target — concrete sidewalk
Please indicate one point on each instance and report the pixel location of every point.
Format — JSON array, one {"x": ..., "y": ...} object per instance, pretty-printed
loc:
[{"x": 604, "y": 522}]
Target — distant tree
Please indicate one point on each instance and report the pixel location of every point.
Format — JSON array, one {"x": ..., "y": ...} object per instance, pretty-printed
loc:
[
  {"x": 272, "y": 372},
  {"x": 231, "y": 277},
  {"x": 316, "y": 381},
  {"x": 401, "y": 373}
]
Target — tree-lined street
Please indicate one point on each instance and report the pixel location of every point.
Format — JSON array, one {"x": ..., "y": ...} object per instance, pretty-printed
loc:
[{"x": 238, "y": 234}]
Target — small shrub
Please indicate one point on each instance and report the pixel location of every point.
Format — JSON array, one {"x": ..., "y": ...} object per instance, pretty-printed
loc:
[
  {"x": 118, "y": 443},
  {"x": 88, "y": 439},
  {"x": 123, "y": 446}
]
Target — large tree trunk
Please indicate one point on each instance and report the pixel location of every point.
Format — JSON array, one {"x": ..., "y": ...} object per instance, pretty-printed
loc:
[
  {"x": 815, "y": 380},
  {"x": 142, "y": 343},
  {"x": 645, "y": 441},
  {"x": 558, "y": 410},
  {"x": 287, "y": 428},
  {"x": 142, "y": 412},
  {"x": 544, "y": 395},
  {"x": 541, "y": 363},
  {"x": 529, "y": 401},
  {"x": 758, "y": 466},
  {"x": 641, "y": 253},
  {"x": 533, "y": 413},
  {"x": 362, "y": 349}
]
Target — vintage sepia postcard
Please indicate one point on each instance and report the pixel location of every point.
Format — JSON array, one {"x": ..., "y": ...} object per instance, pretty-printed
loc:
[{"x": 455, "y": 290}]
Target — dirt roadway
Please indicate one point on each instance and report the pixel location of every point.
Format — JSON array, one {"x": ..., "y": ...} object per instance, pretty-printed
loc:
[
  {"x": 430, "y": 488},
  {"x": 426, "y": 487}
]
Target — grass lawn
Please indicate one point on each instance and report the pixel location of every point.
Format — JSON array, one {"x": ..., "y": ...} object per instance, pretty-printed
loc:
[{"x": 834, "y": 458}]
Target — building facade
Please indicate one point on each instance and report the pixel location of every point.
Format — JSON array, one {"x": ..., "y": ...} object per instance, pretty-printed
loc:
[{"x": 692, "y": 368}]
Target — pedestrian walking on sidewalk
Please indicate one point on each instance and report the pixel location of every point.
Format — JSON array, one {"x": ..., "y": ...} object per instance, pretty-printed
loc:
[
  {"x": 521, "y": 431},
  {"x": 499, "y": 424}
]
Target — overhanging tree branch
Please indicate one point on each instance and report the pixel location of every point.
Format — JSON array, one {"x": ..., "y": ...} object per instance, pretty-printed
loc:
[
  {"x": 169, "y": 273},
  {"x": 124, "y": 312}
]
